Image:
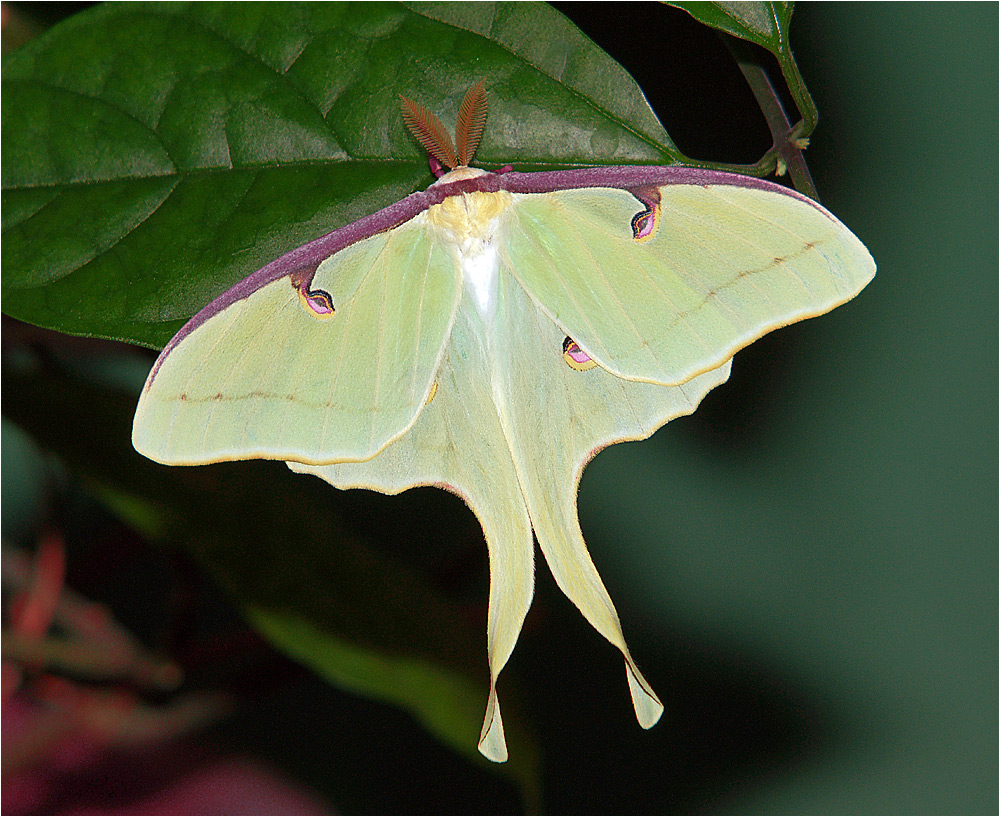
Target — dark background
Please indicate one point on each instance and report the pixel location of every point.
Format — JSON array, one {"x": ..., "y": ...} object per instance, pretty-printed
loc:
[{"x": 806, "y": 569}]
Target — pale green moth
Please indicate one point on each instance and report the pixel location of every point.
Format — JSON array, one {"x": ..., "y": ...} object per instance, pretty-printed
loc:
[{"x": 490, "y": 335}]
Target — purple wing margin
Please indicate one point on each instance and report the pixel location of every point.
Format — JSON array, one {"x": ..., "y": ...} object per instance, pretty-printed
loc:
[
  {"x": 633, "y": 177},
  {"x": 310, "y": 255}
]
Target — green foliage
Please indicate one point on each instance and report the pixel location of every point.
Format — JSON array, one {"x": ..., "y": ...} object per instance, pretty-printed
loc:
[
  {"x": 154, "y": 155},
  {"x": 808, "y": 562},
  {"x": 765, "y": 24}
]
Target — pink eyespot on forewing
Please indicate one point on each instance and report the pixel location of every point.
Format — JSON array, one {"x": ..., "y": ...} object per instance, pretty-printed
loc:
[
  {"x": 316, "y": 302},
  {"x": 645, "y": 222},
  {"x": 575, "y": 357}
]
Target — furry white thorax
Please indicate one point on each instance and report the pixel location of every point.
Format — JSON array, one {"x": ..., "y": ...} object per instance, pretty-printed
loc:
[
  {"x": 479, "y": 271},
  {"x": 468, "y": 223}
]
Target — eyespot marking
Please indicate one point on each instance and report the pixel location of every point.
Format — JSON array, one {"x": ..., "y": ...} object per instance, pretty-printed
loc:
[
  {"x": 575, "y": 357},
  {"x": 646, "y": 221},
  {"x": 316, "y": 302}
]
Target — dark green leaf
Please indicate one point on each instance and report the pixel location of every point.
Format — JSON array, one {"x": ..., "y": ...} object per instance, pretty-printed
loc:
[
  {"x": 155, "y": 154},
  {"x": 763, "y": 23}
]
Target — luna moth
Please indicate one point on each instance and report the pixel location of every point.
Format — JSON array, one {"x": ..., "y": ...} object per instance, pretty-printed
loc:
[{"x": 489, "y": 335}]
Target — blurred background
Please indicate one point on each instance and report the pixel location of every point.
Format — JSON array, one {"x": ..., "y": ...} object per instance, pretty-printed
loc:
[{"x": 806, "y": 568}]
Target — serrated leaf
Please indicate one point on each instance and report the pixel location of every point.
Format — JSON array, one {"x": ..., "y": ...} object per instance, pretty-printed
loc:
[{"x": 155, "y": 154}]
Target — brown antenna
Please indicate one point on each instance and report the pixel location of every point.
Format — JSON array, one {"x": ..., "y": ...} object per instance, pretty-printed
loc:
[
  {"x": 429, "y": 131},
  {"x": 471, "y": 120}
]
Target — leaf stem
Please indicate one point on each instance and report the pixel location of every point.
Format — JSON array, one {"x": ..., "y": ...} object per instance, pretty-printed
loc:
[
  {"x": 785, "y": 153},
  {"x": 787, "y": 141}
]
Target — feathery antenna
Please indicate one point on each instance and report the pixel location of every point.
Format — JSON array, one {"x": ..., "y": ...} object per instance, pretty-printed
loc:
[
  {"x": 471, "y": 121},
  {"x": 429, "y": 131}
]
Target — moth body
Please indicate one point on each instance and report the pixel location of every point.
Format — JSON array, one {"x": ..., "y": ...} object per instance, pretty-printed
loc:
[
  {"x": 490, "y": 337},
  {"x": 479, "y": 272},
  {"x": 468, "y": 225}
]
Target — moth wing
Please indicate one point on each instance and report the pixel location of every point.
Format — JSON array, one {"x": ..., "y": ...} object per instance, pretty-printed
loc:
[
  {"x": 277, "y": 375},
  {"x": 723, "y": 265}
]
